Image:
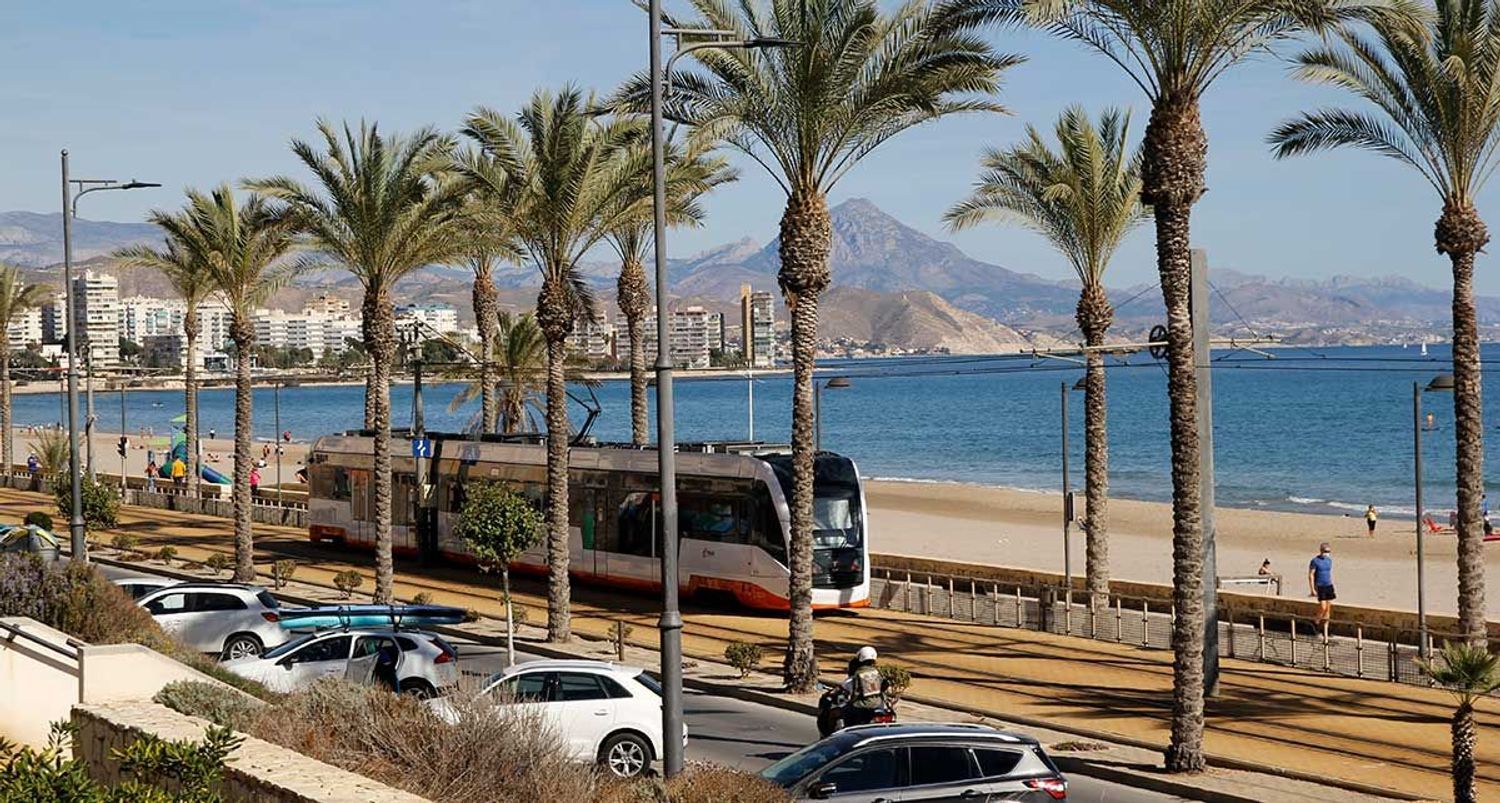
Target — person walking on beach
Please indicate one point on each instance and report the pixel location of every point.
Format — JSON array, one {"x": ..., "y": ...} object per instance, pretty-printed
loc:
[
  {"x": 254, "y": 482},
  {"x": 179, "y": 472},
  {"x": 1370, "y": 518},
  {"x": 1320, "y": 582},
  {"x": 151, "y": 472}
]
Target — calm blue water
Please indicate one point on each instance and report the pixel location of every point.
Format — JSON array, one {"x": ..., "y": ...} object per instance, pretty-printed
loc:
[{"x": 1315, "y": 429}]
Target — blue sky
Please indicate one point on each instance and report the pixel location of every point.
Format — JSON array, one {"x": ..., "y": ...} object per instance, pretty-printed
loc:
[{"x": 188, "y": 93}]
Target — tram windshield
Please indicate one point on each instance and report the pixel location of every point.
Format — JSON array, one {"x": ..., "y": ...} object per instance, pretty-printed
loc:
[{"x": 838, "y": 520}]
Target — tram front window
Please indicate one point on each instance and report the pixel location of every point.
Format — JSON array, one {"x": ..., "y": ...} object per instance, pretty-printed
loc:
[{"x": 835, "y": 521}]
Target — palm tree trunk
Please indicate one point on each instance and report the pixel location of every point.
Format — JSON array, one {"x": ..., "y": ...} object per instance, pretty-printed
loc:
[
  {"x": 559, "y": 622},
  {"x": 1175, "y": 157},
  {"x": 631, "y": 292},
  {"x": 486, "y": 319},
  {"x": 1464, "y": 741},
  {"x": 1460, "y": 234},
  {"x": 380, "y": 337},
  {"x": 8, "y": 443},
  {"x": 806, "y": 241},
  {"x": 1094, "y": 317},
  {"x": 244, "y": 544},
  {"x": 190, "y": 389},
  {"x": 370, "y": 386}
]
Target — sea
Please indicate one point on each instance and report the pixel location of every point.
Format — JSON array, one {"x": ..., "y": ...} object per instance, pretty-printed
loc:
[{"x": 1320, "y": 430}]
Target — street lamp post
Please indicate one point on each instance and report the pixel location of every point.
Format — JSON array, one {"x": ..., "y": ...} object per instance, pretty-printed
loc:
[
  {"x": 77, "y": 541},
  {"x": 670, "y": 624},
  {"x": 835, "y": 383},
  {"x": 1442, "y": 382},
  {"x": 88, "y": 413}
]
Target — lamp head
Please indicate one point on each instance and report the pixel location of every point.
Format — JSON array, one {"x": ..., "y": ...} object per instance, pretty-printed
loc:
[
  {"x": 1441, "y": 382},
  {"x": 137, "y": 185},
  {"x": 837, "y": 382},
  {"x": 768, "y": 42}
]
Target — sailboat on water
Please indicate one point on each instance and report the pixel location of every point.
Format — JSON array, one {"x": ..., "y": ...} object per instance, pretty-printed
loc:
[{"x": 1424, "y": 348}]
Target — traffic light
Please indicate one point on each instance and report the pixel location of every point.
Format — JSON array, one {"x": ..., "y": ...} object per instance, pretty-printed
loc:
[{"x": 124, "y": 444}]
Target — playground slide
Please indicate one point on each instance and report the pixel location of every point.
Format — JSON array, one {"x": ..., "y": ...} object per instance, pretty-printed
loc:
[{"x": 215, "y": 477}]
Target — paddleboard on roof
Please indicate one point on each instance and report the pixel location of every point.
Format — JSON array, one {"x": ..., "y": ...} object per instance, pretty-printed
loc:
[{"x": 370, "y": 616}]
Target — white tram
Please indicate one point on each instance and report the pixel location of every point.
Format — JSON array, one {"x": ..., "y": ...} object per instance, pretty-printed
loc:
[{"x": 732, "y": 513}]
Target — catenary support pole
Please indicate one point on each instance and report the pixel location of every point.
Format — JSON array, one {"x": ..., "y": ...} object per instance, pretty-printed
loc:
[
  {"x": 77, "y": 541},
  {"x": 1067, "y": 509},
  {"x": 1203, "y": 362},
  {"x": 1416, "y": 435}
]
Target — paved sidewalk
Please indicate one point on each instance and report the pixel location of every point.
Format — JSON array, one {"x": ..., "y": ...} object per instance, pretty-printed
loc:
[{"x": 1365, "y": 732}]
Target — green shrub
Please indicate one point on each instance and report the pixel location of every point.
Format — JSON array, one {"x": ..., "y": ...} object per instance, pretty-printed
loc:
[
  {"x": 348, "y": 580},
  {"x": 282, "y": 571},
  {"x": 167, "y": 554},
  {"x": 221, "y": 706},
  {"x": 125, "y": 542},
  {"x": 896, "y": 680},
  {"x": 424, "y": 598},
  {"x": 101, "y": 503},
  {"x": 192, "y": 771},
  {"x": 40, "y": 519},
  {"x": 218, "y": 563},
  {"x": 744, "y": 656}
]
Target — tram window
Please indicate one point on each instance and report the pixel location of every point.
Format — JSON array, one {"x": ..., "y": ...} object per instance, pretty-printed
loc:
[
  {"x": 403, "y": 498},
  {"x": 767, "y": 531},
  {"x": 708, "y": 518},
  {"x": 341, "y": 489},
  {"x": 456, "y": 495},
  {"x": 637, "y": 520},
  {"x": 581, "y": 514}
]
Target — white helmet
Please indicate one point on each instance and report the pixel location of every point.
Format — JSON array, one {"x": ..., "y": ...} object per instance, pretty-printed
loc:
[{"x": 865, "y": 654}]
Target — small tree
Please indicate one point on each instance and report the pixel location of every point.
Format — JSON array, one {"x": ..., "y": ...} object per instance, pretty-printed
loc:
[
  {"x": 1469, "y": 672},
  {"x": 101, "y": 503},
  {"x": 348, "y": 580},
  {"x": 498, "y": 525}
]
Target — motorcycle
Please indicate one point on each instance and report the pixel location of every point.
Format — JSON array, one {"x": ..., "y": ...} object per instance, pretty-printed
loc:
[{"x": 831, "y": 707}]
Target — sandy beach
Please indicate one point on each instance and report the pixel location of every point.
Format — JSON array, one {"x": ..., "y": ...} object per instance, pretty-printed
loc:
[{"x": 1024, "y": 529}]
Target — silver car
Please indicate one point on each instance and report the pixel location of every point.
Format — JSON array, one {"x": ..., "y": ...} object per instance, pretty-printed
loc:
[{"x": 916, "y": 762}]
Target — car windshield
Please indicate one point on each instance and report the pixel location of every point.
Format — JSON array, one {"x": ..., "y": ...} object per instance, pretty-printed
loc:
[
  {"x": 788, "y": 771},
  {"x": 288, "y": 647},
  {"x": 649, "y": 682}
]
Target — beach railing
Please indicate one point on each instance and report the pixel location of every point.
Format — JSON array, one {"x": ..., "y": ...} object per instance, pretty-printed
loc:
[{"x": 1340, "y": 647}]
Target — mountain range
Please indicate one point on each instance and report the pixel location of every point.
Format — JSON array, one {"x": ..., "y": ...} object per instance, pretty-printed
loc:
[{"x": 892, "y": 284}]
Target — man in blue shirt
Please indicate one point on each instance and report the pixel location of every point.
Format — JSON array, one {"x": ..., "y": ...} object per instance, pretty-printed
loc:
[{"x": 1320, "y": 581}]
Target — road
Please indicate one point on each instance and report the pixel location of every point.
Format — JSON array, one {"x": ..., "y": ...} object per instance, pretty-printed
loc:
[{"x": 746, "y": 735}]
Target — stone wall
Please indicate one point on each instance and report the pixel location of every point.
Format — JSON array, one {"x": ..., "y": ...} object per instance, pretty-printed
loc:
[{"x": 257, "y": 771}]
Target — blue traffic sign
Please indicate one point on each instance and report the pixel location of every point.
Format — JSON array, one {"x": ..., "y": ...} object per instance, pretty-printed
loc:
[{"x": 421, "y": 447}]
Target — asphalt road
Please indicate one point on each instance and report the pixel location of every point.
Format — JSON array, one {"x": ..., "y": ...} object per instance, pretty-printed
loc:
[{"x": 749, "y": 736}]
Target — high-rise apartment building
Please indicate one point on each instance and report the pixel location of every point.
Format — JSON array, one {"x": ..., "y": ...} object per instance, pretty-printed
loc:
[
  {"x": 96, "y": 310},
  {"x": 592, "y": 339},
  {"x": 689, "y": 332},
  {"x": 25, "y": 328},
  {"x": 55, "y": 318},
  {"x": 430, "y": 318},
  {"x": 716, "y": 332},
  {"x": 757, "y": 325}
]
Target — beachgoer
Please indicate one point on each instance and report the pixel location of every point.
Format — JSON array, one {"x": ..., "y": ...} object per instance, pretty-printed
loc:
[
  {"x": 1320, "y": 581},
  {"x": 1265, "y": 568},
  {"x": 179, "y": 471},
  {"x": 33, "y": 465},
  {"x": 151, "y": 471},
  {"x": 210, "y": 433},
  {"x": 254, "y": 481},
  {"x": 265, "y": 451},
  {"x": 287, "y": 436},
  {"x": 301, "y": 475},
  {"x": 1370, "y": 518}
]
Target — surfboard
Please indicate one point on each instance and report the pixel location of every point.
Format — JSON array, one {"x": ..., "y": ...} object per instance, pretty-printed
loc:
[{"x": 369, "y": 616}]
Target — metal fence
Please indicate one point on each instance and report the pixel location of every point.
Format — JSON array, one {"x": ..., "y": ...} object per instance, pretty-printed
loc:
[{"x": 1347, "y": 648}]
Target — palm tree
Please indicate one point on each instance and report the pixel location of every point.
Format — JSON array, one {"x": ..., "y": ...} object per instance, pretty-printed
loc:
[
  {"x": 567, "y": 182},
  {"x": 241, "y": 247},
  {"x": 1174, "y": 50},
  {"x": 191, "y": 280},
  {"x": 1470, "y": 671},
  {"x": 381, "y": 211},
  {"x": 488, "y": 239},
  {"x": 1084, "y": 198},
  {"x": 808, "y": 114},
  {"x": 518, "y": 361},
  {"x": 690, "y": 173},
  {"x": 16, "y": 298},
  {"x": 1433, "y": 77}
]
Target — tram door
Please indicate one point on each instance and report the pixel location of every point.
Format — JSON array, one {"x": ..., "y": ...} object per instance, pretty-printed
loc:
[{"x": 361, "y": 505}]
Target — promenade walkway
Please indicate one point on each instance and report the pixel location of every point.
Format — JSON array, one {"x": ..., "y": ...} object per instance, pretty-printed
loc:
[{"x": 1371, "y": 732}]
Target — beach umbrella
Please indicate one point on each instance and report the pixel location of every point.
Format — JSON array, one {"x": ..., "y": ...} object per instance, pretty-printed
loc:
[{"x": 180, "y": 419}]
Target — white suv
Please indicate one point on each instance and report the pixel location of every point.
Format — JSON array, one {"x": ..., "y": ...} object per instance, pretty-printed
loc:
[
  {"x": 226, "y": 619},
  {"x": 603, "y": 712},
  {"x": 424, "y": 663}
]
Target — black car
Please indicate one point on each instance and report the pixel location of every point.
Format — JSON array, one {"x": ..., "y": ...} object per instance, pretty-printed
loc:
[{"x": 916, "y": 762}]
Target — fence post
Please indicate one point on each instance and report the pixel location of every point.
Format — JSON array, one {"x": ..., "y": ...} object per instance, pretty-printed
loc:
[
  {"x": 1393, "y": 660},
  {"x": 1294, "y": 641},
  {"x": 1020, "y": 609},
  {"x": 1261, "y": 648},
  {"x": 952, "y": 607},
  {"x": 995, "y": 603},
  {"x": 973, "y": 601},
  {"x": 1327, "y": 664},
  {"x": 1145, "y": 623},
  {"x": 908, "y": 592},
  {"x": 1229, "y": 611},
  {"x": 1359, "y": 651},
  {"x": 927, "y": 596},
  {"x": 1119, "y": 619}
]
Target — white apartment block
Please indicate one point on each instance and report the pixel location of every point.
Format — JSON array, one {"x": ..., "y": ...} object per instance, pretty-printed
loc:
[
  {"x": 757, "y": 327},
  {"x": 96, "y": 309},
  {"x": 716, "y": 332},
  {"x": 327, "y": 305},
  {"x": 689, "y": 337},
  {"x": 648, "y": 337},
  {"x": 439, "y": 318},
  {"x": 25, "y": 328},
  {"x": 55, "y": 318},
  {"x": 143, "y": 317},
  {"x": 592, "y": 339},
  {"x": 319, "y": 332}
]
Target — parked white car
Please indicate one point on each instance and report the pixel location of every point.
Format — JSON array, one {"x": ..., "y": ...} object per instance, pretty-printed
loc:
[
  {"x": 424, "y": 663},
  {"x": 603, "y": 712},
  {"x": 225, "y": 619},
  {"x": 140, "y": 586}
]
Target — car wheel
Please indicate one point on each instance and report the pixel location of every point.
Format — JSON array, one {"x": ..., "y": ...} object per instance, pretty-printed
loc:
[
  {"x": 625, "y": 755},
  {"x": 417, "y": 688},
  {"x": 242, "y": 645}
]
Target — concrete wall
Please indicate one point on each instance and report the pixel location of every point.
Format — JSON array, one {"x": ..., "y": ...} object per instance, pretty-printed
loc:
[
  {"x": 38, "y": 686},
  {"x": 257, "y": 771},
  {"x": 1240, "y": 604},
  {"x": 119, "y": 672}
]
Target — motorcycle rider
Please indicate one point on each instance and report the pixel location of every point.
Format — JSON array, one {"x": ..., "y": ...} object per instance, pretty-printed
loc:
[{"x": 864, "y": 687}]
